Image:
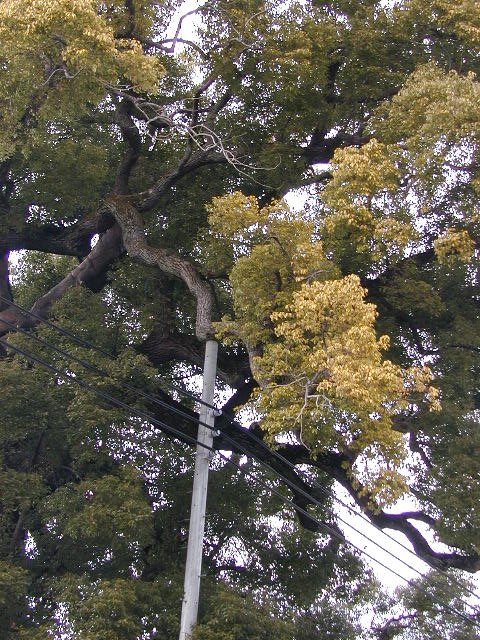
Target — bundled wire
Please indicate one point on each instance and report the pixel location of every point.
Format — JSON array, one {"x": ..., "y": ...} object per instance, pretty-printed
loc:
[
  {"x": 245, "y": 432},
  {"x": 161, "y": 424}
]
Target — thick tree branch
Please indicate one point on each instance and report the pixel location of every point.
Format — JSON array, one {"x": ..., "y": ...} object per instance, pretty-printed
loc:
[
  {"x": 107, "y": 249},
  {"x": 394, "y": 626},
  {"x": 67, "y": 241},
  {"x": 131, "y": 17},
  {"x": 166, "y": 260},
  {"x": 131, "y": 136},
  {"x": 6, "y": 184},
  {"x": 152, "y": 44}
]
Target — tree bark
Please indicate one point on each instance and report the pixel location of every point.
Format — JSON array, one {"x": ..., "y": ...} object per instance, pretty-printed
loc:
[
  {"x": 137, "y": 247},
  {"x": 107, "y": 249}
]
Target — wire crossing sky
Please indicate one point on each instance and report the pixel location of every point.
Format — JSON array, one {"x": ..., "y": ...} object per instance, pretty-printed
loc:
[
  {"x": 185, "y": 437},
  {"x": 182, "y": 412}
]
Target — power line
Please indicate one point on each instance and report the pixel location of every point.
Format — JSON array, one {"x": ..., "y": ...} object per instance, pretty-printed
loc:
[
  {"x": 116, "y": 402},
  {"x": 250, "y": 435},
  {"x": 244, "y": 432},
  {"x": 164, "y": 426},
  {"x": 232, "y": 441}
]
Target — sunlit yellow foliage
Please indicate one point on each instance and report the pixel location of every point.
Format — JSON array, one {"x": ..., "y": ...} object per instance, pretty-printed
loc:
[
  {"x": 454, "y": 245},
  {"x": 363, "y": 171},
  {"x": 275, "y": 250},
  {"x": 386, "y": 484},
  {"x": 436, "y": 120},
  {"x": 235, "y": 212},
  {"x": 311, "y": 335},
  {"x": 329, "y": 349},
  {"x": 48, "y": 44},
  {"x": 432, "y": 105},
  {"x": 325, "y": 376},
  {"x": 360, "y": 200}
]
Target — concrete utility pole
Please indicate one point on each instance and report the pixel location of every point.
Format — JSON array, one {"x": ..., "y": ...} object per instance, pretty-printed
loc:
[{"x": 199, "y": 496}]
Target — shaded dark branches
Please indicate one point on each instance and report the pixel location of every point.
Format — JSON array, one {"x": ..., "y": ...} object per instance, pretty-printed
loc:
[
  {"x": 5, "y": 290},
  {"x": 68, "y": 241},
  {"x": 393, "y": 626},
  {"x": 163, "y": 346},
  {"x": 131, "y": 18},
  {"x": 150, "y": 198},
  {"x": 107, "y": 249},
  {"x": 6, "y": 184},
  {"x": 131, "y": 136},
  {"x": 321, "y": 148}
]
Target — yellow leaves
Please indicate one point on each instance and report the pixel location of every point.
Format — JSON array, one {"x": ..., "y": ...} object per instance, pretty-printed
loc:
[
  {"x": 329, "y": 330},
  {"x": 454, "y": 245},
  {"x": 418, "y": 381},
  {"x": 431, "y": 105},
  {"x": 143, "y": 71},
  {"x": 311, "y": 334},
  {"x": 384, "y": 485},
  {"x": 234, "y": 212},
  {"x": 324, "y": 377},
  {"x": 257, "y": 282},
  {"x": 275, "y": 249},
  {"x": 391, "y": 235},
  {"x": 60, "y": 54},
  {"x": 348, "y": 219},
  {"x": 365, "y": 170},
  {"x": 330, "y": 305},
  {"x": 433, "y": 126},
  {"x": 365, "y": 215}
]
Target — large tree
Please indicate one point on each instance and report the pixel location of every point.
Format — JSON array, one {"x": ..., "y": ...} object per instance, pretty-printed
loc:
[{"x": 143, "y": 170}]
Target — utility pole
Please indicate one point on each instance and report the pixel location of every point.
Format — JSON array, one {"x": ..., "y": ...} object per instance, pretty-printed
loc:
[{"x": 199, "y": 495}]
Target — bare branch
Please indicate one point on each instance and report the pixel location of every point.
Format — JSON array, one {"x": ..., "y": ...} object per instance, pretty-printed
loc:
[
  {"x": 394, "y": 625},
  {"x": 152, "y": 44}
]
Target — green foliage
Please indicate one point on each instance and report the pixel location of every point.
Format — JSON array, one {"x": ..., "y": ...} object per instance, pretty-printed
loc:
[
  {"x": 116, "y": 609},
  {"x": 65, "y": 168},
  {"x": 13, "y": 591},
  {"x": 421, "y": 617},
  {"x": 36, "y": 273},
  {"x": 107, "y": 518},
  {"x": 357, "y": 316},
  {"x": 57, "y": 43},
  {"x": 233, "y": 617}
]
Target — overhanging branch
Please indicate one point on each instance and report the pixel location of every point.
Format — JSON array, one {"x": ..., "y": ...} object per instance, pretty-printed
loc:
[{"x": 107, "y": 249}]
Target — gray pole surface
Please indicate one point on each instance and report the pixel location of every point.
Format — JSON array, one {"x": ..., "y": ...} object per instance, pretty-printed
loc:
[{"x": 199, "y": 496}]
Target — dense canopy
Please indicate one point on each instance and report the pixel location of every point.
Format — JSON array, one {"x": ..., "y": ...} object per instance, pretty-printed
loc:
[{"x": 148, "y": 153}]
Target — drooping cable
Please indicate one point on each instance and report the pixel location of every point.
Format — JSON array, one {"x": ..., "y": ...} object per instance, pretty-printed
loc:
[
  {"x": 238, "y": 446},
  {"x": 244, "y": 432},
  {"x": 166, "y": 427}
]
